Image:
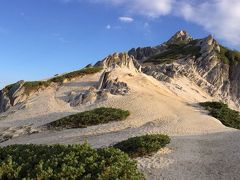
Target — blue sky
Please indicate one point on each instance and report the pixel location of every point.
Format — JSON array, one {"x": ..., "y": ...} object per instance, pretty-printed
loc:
[{"x": 40, "y": 38}]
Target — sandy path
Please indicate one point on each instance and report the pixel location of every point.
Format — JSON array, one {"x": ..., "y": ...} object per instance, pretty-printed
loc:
[{"x": 205, "y": 157}]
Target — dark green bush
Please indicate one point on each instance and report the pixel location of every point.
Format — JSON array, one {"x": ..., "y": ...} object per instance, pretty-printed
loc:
[
  {"x": 228, "y": 56},
  {"x": 143, "y": 145},
  {"x": 33, "y": 86},
  {"x": 65, "y": 162},
  {"x": 88, "y": 118},
  {"x": 174, "y": 52},
  {"x": 74, "y": 74},
  {"x": 220, "y": 111}
]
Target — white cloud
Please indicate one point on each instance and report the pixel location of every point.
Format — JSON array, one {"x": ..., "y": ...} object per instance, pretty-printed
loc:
[
  {"x": 126, "y": 19},
  {"x": 151, "y": 8},
  {"x": 108, "y": 27},
  {"x": 219, "y": 17},
  {"x": 60, "y": 38}
]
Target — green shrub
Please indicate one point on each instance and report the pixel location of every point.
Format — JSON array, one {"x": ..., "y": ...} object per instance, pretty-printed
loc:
[
  {"x": 33, "y": 86},
  {"x": 228, "y": 56},
  {"x": 74, "y": 74},
  {"x": 65, "y": 162},
  {"x": 220, "y": 111},
  {"x": 88, "y": 118},
  {"x": 143, "y": 145},
  {"x": 174, "y": 52}
]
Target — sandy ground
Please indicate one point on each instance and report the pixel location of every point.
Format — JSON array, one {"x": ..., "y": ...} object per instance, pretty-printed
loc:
[
  {"x": 205, "y": 157},
  {"x": 201, "y": 147}
]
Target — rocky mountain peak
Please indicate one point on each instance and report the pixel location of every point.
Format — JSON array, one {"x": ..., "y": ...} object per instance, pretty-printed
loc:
[{"x": 180, "y": 36}]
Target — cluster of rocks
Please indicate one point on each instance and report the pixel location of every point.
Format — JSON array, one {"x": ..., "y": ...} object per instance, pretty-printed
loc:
[
  {"x": 113, "y": 86},
  {"x": 87, "y": 97},
  {"x": 108, "y": 83}
]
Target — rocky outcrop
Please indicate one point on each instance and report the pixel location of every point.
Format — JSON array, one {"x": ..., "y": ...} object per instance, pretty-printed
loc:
[
  {"x": 113, "y": 86},
  {"x": 180, "y": 37},
  {"x": 109, "y": 82},
  {"x": 88, "y": 97},
  {"x": 11, "y": 96},
  {"x": 143, "y": 53},
  {"x": 234, "y": 86},
  {"x": 119, "y": 60},
  {"x": 218, "y": 78}
]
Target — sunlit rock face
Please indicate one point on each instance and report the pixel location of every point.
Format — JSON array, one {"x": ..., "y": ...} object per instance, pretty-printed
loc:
[{"x": 11, "y": 96}]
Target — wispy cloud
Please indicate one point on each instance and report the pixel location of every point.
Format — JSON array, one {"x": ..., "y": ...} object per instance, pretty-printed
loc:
[
  {"x": 60, "y": 38},
  {"x": 108, "y": 27},
  {"x": 114, "y": 27},
  {"x": 219, "y": 17},
  {"x": 151, "y": 8},
  {"x": 126, "y": 19}
]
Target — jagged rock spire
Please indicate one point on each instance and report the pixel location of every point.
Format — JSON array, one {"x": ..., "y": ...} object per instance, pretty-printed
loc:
[
  {"x": 180, "y": 36},
  {"x": 119, "y": 60}
]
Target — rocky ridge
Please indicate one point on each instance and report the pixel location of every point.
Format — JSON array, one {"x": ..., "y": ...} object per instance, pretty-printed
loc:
[
  {"x": 205, "y": 67},
  {"x": 144, "y": 53}
]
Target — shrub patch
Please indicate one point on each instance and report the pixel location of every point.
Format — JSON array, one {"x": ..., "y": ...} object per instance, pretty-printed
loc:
[
  {"x": 143, "y": 145},
  {"x": 32, "y": 86},
  {"x": 89, "y": 118},
  {"x": 222, "y": 112},
  {"x": 66, "y": 162}
]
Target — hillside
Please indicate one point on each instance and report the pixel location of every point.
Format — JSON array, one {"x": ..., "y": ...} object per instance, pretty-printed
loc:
[{"x": 160, "y": 86}]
